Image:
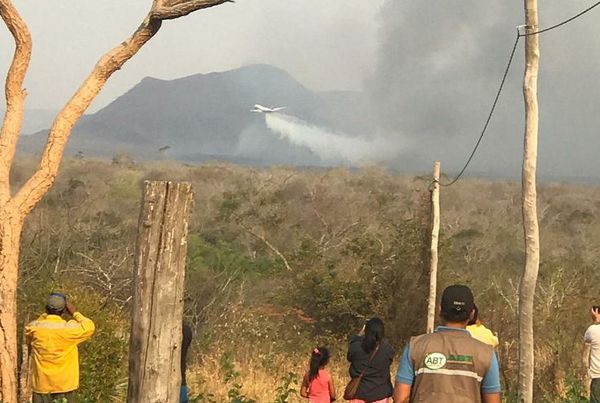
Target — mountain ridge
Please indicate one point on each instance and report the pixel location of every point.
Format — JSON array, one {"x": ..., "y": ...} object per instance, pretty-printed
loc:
[{"x": 208, "y": 114}]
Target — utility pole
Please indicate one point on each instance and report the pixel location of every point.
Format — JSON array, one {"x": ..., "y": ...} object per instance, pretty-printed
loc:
[
  {"x": 529, "y": 206},
  {"x": 435, "y": 231}
]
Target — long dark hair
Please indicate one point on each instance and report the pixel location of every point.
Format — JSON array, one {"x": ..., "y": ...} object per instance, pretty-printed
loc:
[
  {"x": 473, "y": 320},
  {"x": 318, "y": 359},
  {"x": 374, "y": 332}
]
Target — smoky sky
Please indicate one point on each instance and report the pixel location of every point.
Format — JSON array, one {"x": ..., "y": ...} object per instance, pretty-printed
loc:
[
  {"x": 430, "y": 68},
  {"x": 326, "y": 45},
  {"x": 440, "y": 64}
]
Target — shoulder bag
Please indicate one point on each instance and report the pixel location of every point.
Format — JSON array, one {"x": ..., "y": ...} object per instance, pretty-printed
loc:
[{"x": 352, "y": 387}]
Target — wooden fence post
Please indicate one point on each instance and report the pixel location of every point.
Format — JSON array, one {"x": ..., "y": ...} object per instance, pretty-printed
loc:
[
  {"x": 156, "y": 335},
  {"x": 435, "y": 231}
]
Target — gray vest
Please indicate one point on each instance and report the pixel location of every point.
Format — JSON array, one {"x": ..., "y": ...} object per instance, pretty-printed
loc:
[{"x": 449, "y": 366}]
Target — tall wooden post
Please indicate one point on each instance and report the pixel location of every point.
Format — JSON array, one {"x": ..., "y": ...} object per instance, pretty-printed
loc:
[
  {"x": 529, "y": 208},
  {"x": 435, "y": 231},
  {"x": 156, "y": 335}
]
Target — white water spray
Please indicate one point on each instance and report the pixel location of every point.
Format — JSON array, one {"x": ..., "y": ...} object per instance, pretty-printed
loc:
[{"x": 331, "y": 147}]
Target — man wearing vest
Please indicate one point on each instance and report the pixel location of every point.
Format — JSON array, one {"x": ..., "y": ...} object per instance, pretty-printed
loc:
[
  {"x": 449, "y": 365},
  {"x": 54, "y": 345}
]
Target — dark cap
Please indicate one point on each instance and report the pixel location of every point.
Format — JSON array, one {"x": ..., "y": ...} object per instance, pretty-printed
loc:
[
  {"x": 457, "y": 303},
  {"x": 56, "y": 301}
]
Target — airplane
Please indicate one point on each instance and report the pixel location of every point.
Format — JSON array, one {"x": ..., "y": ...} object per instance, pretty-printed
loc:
[{"x": 263, "y": 109}]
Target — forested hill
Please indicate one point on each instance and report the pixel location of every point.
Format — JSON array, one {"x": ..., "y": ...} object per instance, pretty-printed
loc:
[{"x": 207, "y": 116}]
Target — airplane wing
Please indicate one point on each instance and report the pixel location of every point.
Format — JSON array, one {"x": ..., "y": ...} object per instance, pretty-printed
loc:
[{"x": 278, "y": 109}]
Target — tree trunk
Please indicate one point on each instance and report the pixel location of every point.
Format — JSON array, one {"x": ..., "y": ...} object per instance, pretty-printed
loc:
[
  {"x": 25, "y": 386},
  {"x": 156, "y": 335},
  {"x": 529, "y": 209},
  {"x": 435, "y": 231},
  {"x": 10, "y": 234}
]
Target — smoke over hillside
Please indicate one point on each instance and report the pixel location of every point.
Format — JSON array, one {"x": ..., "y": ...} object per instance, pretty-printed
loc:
[
  {"x": 439, "y": 67},
  {"x": 329, "y": 146}
]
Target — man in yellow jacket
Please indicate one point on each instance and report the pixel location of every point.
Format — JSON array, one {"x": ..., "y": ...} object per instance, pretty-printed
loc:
[
  {"x": 480, "y": 332},
  {"x": 54, "y": 346}
]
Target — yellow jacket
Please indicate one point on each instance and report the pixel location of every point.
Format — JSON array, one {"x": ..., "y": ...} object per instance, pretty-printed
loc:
[
  {"x": 54, "y": 346},
  {"x": 483, "y": 334}
]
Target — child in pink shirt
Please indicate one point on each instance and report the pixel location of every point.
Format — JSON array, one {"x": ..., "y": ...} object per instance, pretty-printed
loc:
[{"x": 317, "y": 385}]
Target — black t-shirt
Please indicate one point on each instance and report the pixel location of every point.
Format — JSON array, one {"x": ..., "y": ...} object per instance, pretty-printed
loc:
[
  {"x": 375, "y": 383},
  {"x": 185, "y": 345}
]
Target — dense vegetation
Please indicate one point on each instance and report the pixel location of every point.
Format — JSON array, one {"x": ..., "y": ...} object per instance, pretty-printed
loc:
[{"x": 282, "y": 259}]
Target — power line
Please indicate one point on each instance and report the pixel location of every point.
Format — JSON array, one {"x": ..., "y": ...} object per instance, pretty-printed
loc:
[
  {"x": 512, "y": 54},
  {"x": 489, "y": 118},
  {"x": 564, "y": 22}
]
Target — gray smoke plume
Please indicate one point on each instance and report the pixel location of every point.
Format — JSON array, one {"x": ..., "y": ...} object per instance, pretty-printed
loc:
[
  {"x": 332, "y": 148},
  {"x": 440, "y": 65}
]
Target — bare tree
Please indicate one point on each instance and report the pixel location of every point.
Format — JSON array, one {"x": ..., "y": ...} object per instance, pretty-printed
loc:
[
  {"x": 15, "y": 206},
  {"x": 435, "y": 234},
  {"x": 529, "y": 207}
]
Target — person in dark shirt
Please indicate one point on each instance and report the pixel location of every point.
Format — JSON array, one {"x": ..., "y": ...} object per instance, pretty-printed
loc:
[
  {"x": 185, "y": 345},
  {"x": 375, "y": 385}
]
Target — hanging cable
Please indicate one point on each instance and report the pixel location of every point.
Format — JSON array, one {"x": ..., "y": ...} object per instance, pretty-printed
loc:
[
  {"x": 512, "y": 54},
  {"x": 489, "y": 118},
  {"x": 564, "y": 22}
]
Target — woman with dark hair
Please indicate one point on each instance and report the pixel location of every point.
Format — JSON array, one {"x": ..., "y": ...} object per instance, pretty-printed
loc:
[
  {"x": 317, "y": 384},
  {"x": 371, "y": 355}
]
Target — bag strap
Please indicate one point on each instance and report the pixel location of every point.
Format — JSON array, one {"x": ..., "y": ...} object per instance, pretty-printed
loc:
[
  {"x": 370, "y": 360},
  {"x": 374, "y": 353}
]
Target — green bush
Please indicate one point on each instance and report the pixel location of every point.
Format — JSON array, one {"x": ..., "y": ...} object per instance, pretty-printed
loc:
[
  {"x": 575, "y": 391},
  {"x": 104, "y": 357},
  {"x": 337, "y": 305},
  {"x": 286, "y": 388}
]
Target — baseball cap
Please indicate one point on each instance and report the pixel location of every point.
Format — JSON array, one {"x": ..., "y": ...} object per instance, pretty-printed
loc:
[
  {"x": 457, "y": 302},
  {"x": 56, "y": 301}
]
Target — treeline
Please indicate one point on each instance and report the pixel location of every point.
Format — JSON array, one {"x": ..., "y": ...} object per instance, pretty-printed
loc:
[{"x": 280, "y": 259}]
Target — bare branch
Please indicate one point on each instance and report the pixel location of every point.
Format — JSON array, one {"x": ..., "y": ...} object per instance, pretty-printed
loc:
[
  {"x": 15, "y": 94},
  {"x": 35, "y": 188},
  {"x": 43, "y": 178},
  {"x": 267, "y": 243},
  {"x": 41, "y": 181},
  {"x": 182, "y": 8}
]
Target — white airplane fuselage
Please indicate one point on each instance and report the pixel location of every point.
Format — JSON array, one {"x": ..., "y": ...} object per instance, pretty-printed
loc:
[{"x": 263, "y": 109}]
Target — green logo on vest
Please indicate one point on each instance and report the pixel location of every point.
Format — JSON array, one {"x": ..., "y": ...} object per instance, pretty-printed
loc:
[
  {"x": 435, "y": 360},
  {"x": 462, "y": 359}
]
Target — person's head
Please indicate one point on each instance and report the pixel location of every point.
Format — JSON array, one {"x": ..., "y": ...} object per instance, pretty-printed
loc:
[
  {"x": 475, "y": 318},
  {"x": 457, "y": 305},
  {"x": 596, "y": 313},
  {"x": 56, "y": 303},
  {"x": 318, "y": 359},
  {"x": 374, "y": 332}
]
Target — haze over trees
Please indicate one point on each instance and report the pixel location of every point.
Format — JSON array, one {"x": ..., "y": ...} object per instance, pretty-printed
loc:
[{"x": 370, "y": 258}]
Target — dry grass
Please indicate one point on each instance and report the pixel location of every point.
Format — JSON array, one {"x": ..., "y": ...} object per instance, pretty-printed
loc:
[{"x": 258, "y": 381}]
